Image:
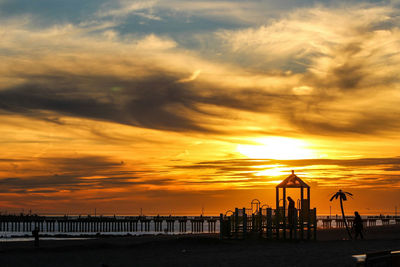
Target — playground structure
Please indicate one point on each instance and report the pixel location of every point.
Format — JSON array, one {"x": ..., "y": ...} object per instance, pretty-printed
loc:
[{"x": 280, "y": 223}]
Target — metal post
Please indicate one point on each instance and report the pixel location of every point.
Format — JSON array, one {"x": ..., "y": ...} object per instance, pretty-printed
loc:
[
  {"x": 244, "y": 223},
  {"x": 236, "y": 219},
  {"x": 309, "y": 214},
  {"x": 284, "y": 214},
  {"x": 295, "y": 223},
  {"x": 301, "y": 213},
  {"x": 277, "y": 214},
  {"x": 315, "y": 223},
  {"x": 260, "y": 222},
  {"x": 269, "y": 223}
]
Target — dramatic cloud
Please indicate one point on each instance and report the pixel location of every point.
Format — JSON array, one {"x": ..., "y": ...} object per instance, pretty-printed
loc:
[
  {"x": 346, "y": 68},
  {"x": 328, "y": 70}
]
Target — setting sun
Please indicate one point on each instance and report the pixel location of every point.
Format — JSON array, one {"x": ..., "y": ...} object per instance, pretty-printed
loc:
[{"x": 277, "y": 148}]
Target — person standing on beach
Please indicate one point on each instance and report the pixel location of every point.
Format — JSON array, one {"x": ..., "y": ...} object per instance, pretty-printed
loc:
[
  {"x": 35, "y": 234},
  {"x": 358, "y": 225}
]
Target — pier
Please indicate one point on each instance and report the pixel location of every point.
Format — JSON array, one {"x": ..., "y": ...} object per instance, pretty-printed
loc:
[
  {"x": 105, "y": 224},
  {"x": 368, "y": 221},
  {"x": 266, "y": 224}
]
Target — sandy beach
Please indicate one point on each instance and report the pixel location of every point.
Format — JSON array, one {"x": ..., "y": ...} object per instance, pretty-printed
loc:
[{"x": 199, "y": 250}]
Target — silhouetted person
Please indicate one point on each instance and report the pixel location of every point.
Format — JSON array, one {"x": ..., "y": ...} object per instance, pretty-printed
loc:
[
  {"x": 35, "y": 234},
  {"x": 358, "y": 225},
  {"x": 291, "y": 211}
]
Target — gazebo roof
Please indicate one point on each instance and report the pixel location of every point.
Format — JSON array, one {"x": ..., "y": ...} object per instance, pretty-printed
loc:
[{"x": 292, "y": 181}]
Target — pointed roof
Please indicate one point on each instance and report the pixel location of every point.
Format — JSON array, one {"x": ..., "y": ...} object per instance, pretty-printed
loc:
[{"x": 292, "y": 181}]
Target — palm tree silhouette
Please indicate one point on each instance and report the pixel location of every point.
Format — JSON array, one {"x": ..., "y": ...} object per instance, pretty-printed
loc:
[{"x": 342, "y": 197}]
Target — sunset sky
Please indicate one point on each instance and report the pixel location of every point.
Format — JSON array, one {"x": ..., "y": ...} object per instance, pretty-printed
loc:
[{"x": 175, "y": 106}]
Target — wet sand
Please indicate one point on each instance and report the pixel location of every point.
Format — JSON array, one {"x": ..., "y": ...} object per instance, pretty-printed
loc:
[{"x": 199, "y": 250}]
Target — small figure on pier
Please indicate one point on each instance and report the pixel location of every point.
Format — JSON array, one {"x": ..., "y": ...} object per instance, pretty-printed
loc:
[
  {"x": 291, "y": 209},
  {"x": 358, "y": 225},
  {"x": 35, "y": 234}
]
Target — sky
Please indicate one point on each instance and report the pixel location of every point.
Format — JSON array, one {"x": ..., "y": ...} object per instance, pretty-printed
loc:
[{"x": 182, "y": 107}]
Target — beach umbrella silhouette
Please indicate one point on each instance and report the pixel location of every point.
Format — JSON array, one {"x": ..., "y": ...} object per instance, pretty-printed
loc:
[{"x": 342, "y": 197}]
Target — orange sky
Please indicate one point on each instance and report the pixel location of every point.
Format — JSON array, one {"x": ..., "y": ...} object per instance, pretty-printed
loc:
[{"x": 174, "y": 108}]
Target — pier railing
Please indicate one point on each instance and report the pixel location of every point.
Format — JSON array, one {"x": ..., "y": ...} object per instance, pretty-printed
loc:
[
  {"x": 267, "y": 223},
  {"x": 368, "y": 221},
  {"x": 104, "y": 224}
]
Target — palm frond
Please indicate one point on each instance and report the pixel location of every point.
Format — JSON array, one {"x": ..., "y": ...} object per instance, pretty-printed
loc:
[{"x": 341, "y": 195}]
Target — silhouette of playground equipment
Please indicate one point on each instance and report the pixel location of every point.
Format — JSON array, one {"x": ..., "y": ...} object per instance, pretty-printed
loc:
[{"x": 280, "y": 223}]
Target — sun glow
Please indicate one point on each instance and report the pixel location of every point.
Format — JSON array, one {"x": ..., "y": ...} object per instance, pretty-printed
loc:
[
  {"x": 277, "y": 148},
  {"x": 272, "y": 172}
]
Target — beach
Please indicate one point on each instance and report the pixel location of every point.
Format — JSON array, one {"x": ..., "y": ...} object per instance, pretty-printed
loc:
[{"x": 200, "y": 250}]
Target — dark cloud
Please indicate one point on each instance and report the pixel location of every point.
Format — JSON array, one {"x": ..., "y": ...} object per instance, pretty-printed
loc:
[
  {"x": 73, "y": 182},
  {"x": 393, "y": 168},
  {"x": 352, "y": 71},
  {"x": 77, "y": 173},
  {"x": 157, "y": 103},
  {"x": 13, "y": 160},
  {"x": 87, "y": 163},
  {"x": 160, "y": 102},
  {"x": 363, "y": 123}
]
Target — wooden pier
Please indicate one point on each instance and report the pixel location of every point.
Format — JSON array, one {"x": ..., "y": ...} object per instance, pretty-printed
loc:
[
  {"x": 103, "y": 224},
  {"x": 369, "y": 221}
]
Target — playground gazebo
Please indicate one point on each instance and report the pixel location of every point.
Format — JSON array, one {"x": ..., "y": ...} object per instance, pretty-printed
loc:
[{"x": 293, "y": 181}]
